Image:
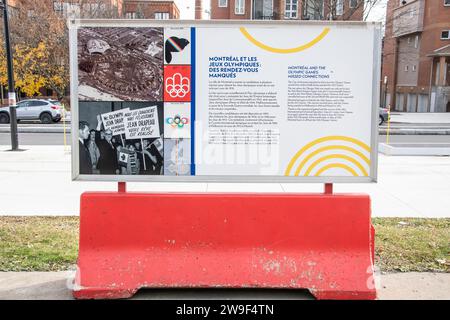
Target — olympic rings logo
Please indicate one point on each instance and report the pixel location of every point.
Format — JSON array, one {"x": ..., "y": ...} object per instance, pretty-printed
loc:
[
  {"x": 178, "y": 86},
  {"x": 177, "y": 121}
]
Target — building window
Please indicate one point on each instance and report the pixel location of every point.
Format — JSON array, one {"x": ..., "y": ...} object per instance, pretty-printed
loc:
[
  {"x": 130, "y": 15},
  {"x": 445, "y": 35},
  {"x": 438, "y": 73},
  {"x": 239, "y": 7},
  {"x": 291, "y": 9},
  {"x": 58, "y": 7},
  {"x": 339, "y": 7},
  {"x": 416, "y": 42},
  {"x": 162, "y": 15},
  {"x": 352, "y": 3},
  {"x": 223, "y": 3},
  {"x": 446, "y": 2},
  {"x": 406, "y": 68},
  {"x": 313, "y": 9},
  {"x": 414, "y": 68},
  {"x": 263, "y": 10}
]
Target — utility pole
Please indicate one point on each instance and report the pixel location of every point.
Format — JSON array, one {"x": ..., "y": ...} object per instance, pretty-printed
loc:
[{"x": 11, "y": 92}]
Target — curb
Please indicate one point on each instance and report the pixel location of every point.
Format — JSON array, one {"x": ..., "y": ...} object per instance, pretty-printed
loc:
[
  {"x": 413, "y": 132},
  {"x": 36, "y": 130},
  {"x": 407, "y": 149}
]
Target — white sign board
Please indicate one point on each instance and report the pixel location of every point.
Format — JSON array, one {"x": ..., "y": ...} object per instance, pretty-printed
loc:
[{"x": 253, "y": 100}]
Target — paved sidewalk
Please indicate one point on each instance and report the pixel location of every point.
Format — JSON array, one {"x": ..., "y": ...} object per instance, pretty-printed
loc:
[
  {"x": 403, "y": 123},
  {"x": 56, "y": 286},
  {"x": 420, "y": 117},
  {"x": 38, "y": 182}
]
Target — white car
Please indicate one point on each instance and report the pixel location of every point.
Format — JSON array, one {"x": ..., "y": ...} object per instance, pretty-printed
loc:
[{"x": 47, "y": 111}]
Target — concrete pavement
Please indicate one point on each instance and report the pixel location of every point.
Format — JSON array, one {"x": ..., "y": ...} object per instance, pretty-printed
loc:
[
  {"x": 56, "y": 286},
  {"x": 420, "y": 117},
  {"x": 403, "y": 123},
  {"x": 38, "y": 182}
]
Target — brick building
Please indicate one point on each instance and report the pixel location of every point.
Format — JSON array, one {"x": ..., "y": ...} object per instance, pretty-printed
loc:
[
  {"x": 154, "y": 9},
  {"x": 416, "y": 56},
  {"x": 89, "y": 8},
  {"x": 287, "y": 9},
  {"x": 131, "y": 9}
]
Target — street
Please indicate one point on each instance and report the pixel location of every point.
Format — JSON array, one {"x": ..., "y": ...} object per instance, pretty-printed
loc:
[{"x": 32, "y": 139}]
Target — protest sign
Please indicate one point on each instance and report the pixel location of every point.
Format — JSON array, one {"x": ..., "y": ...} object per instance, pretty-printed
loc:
[
  {"x": 142, "y": 123},
  {"x": 114, "y": 121}
]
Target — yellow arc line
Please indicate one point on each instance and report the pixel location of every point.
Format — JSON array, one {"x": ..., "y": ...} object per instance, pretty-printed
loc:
[
  {"x": 282, "y": 50},
  {"x": 320, "y": 140},
  {"x": 336, "y": 165},
  {"x": 326, "y": 148},
  {"x": 336, "y": 156}
]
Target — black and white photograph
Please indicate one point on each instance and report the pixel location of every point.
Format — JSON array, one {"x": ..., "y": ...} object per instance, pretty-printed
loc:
[
  {"x": 120, "y": 64},
  {"x": 121, "y": 138}
]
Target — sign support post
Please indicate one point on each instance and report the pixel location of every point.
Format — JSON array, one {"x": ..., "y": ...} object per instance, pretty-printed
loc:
[
  {"x": 262, "y": 102},
  {"x": 128, "y": 241},
  {"x": 122, "y": 187}
]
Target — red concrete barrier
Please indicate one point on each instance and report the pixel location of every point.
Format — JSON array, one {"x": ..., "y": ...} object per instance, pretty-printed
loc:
[{"x": 321, "y": 242}]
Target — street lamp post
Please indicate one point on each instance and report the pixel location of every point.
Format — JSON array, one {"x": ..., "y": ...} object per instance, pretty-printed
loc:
[{"x": 11, "y": 92}]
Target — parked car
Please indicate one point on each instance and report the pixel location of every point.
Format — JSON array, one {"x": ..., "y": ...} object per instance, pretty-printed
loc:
[
  {"x": 47, "y": 111},
  {"x": 384, "y": 115}
]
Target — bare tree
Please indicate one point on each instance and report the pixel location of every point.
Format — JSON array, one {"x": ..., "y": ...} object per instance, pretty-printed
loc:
[
  {"x": 44, "y": 22},
  {"x": 336, "y": 9}
]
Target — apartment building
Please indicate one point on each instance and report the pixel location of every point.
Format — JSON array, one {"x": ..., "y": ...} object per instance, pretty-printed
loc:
[
  {"x": 89, "y": 8},
  {"x": 287, "y": 9},
  {"x": 416, "y": 56},
  {"x": 154, "y": 9},
  {"x": 130, "y": 9}
]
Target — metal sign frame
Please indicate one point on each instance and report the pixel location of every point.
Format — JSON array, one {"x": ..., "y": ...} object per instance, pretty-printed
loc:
[{"x": 74, "y": 24}]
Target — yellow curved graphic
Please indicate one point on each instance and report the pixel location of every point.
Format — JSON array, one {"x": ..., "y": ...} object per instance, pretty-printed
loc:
[
  {"x": 326, "y": 148},
  {"x": 361, "y": 161},
  {"x": 335, "y": 156},
  {"x": 282, "y": 50},
  {"x": 336, "y": 165}
]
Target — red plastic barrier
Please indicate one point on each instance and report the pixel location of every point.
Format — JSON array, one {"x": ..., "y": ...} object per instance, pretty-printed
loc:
[{"x": 321, "y": 242}]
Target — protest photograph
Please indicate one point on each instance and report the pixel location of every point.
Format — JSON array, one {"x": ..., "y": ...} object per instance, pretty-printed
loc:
[{"x": 121, "y": 138}]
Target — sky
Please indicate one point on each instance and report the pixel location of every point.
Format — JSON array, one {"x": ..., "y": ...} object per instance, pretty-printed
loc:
[
  {"x": 378, "y": 13},
  {"x": 187, "y": 9}
]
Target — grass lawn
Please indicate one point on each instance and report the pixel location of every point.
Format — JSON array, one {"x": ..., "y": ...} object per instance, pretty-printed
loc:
[
  {"x": 51, "y": 243},
  {"x": 412, "y": 244},
  {"x": 38, "y": 243}
]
